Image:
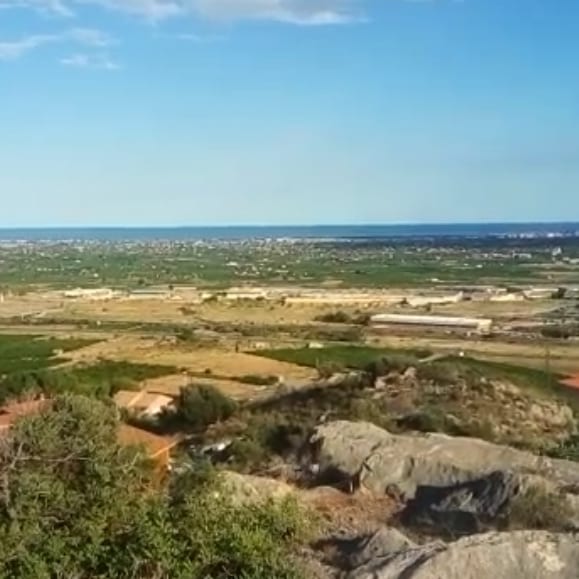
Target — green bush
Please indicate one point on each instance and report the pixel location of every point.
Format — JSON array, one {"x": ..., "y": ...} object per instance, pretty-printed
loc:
[
  {"x": 258, "y": 380},
  {"x": 442, "y": 373},
  {"x": 200, "y": 405},
  {"x": 328, "y": 369},
  {"x": 75, "y": 504},
  {"x": 556, "y": 332},
  {"x": 538, "y": 509},
  {"x": 339, "y": 317},
  {"x": 568, "y": 450},
  {"x": 100, "y": 380}
]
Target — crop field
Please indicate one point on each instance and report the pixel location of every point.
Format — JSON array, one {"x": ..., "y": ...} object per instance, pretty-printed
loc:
[
  {"x": 354, "y": 263},
  {"x": 24, "y": 353},
  {"x": 158, "y": 332},
  {"x": 348, "y": 357}
]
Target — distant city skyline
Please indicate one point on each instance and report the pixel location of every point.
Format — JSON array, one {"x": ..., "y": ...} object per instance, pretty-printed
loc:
[{"x": 288, "y": 112}]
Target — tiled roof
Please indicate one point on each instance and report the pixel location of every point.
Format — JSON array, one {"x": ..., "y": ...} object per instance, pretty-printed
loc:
[
  {"x": 127, "y": 435},
  {"x": 572, "y": 381},
  {"x": 154, "y": 444}
]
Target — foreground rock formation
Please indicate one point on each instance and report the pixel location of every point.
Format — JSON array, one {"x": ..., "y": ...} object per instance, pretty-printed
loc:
[{"x": 516, "y": 555}]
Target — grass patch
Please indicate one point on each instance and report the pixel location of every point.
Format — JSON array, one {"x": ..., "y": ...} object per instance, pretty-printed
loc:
[
  {"x": 538, "y": 381},
  {"x": 258, "y": 380},
  {"x": 538, "y": 509},
  {"x": 22, "y": 353},
  {"x": 100, "y": 380},
  {"x": 350, "y": 357}
]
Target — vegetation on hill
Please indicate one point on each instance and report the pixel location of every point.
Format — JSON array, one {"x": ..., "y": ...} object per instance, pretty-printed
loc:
[
  {"x": 75, "y": 504},
  {"x": 344, "y": 357},
  {"x": 401, "y": 391},
  {"x": 27, "y": 353},
  {"x": 100, "y": 380}
]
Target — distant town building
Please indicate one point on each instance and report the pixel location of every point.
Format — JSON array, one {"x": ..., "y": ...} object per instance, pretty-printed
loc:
[{"x": 480, "y": 324}]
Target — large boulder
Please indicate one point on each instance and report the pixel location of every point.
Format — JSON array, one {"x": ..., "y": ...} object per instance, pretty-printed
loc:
[
  {"x": 462, "y": 509},
  {"x": 517, "y": 555},
  {"x": 371, "y": 457}
]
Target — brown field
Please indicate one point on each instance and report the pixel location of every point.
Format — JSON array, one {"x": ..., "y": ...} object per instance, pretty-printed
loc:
[{"x": 220, "y": 364}]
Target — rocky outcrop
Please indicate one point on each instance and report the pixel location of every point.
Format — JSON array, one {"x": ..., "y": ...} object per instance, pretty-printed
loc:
[
  {"x": 517, "y": 555},
  {"x": 463, "y": 509},
  {"x": 382, "y": 462},
  {"x": 386, "y": 541}
]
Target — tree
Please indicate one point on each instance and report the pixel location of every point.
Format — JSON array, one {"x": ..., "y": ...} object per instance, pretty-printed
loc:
[
  {"x": 73, "y": 503},
  {"x": 199, "y": 405}
]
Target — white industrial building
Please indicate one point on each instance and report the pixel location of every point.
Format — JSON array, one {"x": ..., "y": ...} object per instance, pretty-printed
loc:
[
  {"x": 479, "y": 324},
  {"x": 90, "y": 294}
]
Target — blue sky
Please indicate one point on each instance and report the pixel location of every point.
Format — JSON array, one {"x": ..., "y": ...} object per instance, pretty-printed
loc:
[{"x": 205, "y": 112}]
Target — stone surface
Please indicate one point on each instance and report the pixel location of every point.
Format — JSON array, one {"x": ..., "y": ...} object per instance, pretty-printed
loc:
[
  {"x": 462, "y": 509},
  {"x": 378, "y": 460},
  {"x": 516, "y": 555}
]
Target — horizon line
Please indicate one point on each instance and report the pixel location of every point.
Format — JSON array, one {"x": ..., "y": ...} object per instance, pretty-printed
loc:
[{"x": 292, "y": 225}]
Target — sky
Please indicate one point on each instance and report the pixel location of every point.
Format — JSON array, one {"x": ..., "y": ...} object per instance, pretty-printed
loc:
[{"x": 222, "y": 112}]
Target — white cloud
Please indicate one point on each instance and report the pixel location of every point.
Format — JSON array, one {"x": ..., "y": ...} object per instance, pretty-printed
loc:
[
  {"x": 300, "y": 12},
  {"x": 90, "y": 37},
  {"x": 303, "y": 12},
  {"x": 15, "y": 49},
  {"x": 57, "y": 7},
  {"x": 82, "y": 60},
  {"x": 150, "y": 9}
]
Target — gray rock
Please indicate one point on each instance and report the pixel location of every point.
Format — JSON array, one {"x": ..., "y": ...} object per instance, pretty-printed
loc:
[
  {"x": 385, "y": 542},
  {"x": 517, "y": 555},
  {"x": 379, "y": 460},
  {"x": 462, "y": 509}
]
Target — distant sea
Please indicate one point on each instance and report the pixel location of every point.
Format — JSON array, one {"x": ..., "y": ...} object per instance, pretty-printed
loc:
[{"x": 289, "y": 232}]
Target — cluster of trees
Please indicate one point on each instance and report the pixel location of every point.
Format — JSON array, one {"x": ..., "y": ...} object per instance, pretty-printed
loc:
[{"x": 73, "y": 503}]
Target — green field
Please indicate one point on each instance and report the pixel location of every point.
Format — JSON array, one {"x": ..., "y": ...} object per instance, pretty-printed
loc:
[
  {"x": 27, "y": 365},
  {"x": 350, "y": 357},
  {"x": 219, "y": 264},
  {"x": 360, "y": 357},
  {"x": 25, "y": 353}
]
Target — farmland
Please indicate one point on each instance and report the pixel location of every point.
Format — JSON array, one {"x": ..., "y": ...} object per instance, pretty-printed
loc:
[
  {"x": 348, "y": 263},
  {"x": 245, "y": 314}
]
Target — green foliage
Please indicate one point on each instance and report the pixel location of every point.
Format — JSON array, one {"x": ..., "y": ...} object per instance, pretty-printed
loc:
[
  {"x": 427, "y": 419},
  {"x": 21, "y": 353},
  {"x": 258, "y": 380},
  {"x": 338, "y": 317},
  {"x": 100, "y": 380},
  {"x": 75, "y": 504},
  {"x": 328, "y": 368},
  {"x": 538, "y": 508},
  {"x": 250, "y": 542},
  {"x": 352, "y": 357},
  {"x": 568, "y": 450},
  {"x": 442, "y": 373},
  {"x": 557, "y": 332},
  {"x": 197, "y": 407}
]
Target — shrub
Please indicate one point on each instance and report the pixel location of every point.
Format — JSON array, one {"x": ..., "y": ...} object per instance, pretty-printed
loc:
[
  {"x": 339, "y": 317},
  {"x": 258, "y": 380},
  {"x": 200, "y": 405},
  {"x": 439, "y": 372},
  {"x": 556, "y": 332},
  {"x": 247, "y": 454},
  {"x": 370, "y": 411},
  {"x": 568, "y": 450},
  {"x": 426, "y": 420},
  {"x": 75, "y": 504},
  {"x": 538, "y": 509},
  {"x": 328, "y": 369}
]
